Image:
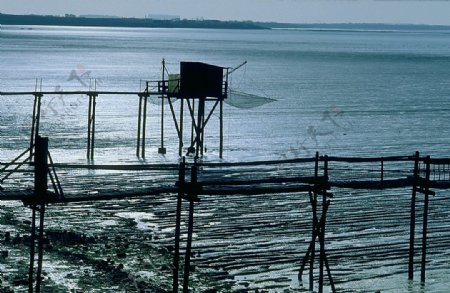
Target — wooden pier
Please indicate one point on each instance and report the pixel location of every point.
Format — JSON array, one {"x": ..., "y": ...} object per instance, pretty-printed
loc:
[
  {"x": 197, "y": 84},
  {"x": 314, "y": 178}
]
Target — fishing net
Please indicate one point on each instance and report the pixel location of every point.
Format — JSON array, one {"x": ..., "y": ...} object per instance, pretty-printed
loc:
[{"x": 246, "y": 101}]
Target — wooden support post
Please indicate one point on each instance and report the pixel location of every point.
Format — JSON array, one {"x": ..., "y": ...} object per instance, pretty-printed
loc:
[
  {"x": 200, "y": 126},
  {"x": 326, "y": 203},
  {"x": 221, "y": 130},
  {"x": 35, "y": 120},
  {"x": 321, "y": 233},
  {"x": 313, "y": 199},
  {"x": 412, "y": 226},
  {"x": 32, "y": 249},
  {"x": 425, "y": 220},
  {"x": 40, "y": 248},
  {"x": 40, "y": 196},
  {"x": 187, "y": 264},
  {"x": 193, "y": 127},
  {"x": 94, "y": 103},
  {"x": 180, "y": 141},
  {"x": 88, "y": 150},
  {"x": 162, "y": 149},
  {"x": 187, "y": 259},
  {"x": 181, "y": 193},
  {"x": 41, "y": 168},
  {"x": 191, "y": 148},
  {"x": 315, "y": 225},
  {"x": 91, "y": 127},
  {"x": 138, "y": 142},
  {"x": 144, "y": 126}
]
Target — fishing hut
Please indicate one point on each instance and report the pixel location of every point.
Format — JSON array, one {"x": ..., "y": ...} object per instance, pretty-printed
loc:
[{"x": 197, "y": 85}]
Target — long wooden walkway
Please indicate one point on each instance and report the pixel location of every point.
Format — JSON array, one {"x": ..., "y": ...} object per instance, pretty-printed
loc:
[
  {"x": 315, "y": 178},
  {"x": 103, "y": 182}
]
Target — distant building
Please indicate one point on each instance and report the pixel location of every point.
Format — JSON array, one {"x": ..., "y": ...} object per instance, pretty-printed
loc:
[
  {"x": 98, "y": 16},
  {"x": 162, "y": 17}
]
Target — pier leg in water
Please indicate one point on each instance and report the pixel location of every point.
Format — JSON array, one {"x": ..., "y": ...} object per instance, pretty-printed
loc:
[
  {"x": 40, "y": 243},
  {"x": 181, "y": 193},
  {"x": 412, "y": 227},
  {"x": 180, "y": 138},
  {"x": 40, "y": 248},
  {"x": 192, "y": 197},
  {"x": 187, "y": 259},
  {"x": 91, "y": 127},
  {"x": 221, "y": 130},
  {"x": 420, "y": 185},
  {"x": 425, "y": 220},
  {"x": 162, "y": 149},
  {"x": 32, "y": 248},
  {"x": 144, "y": 126},
  {"x": 41, "y": 171},
  {"x": 138, "y": 143}
]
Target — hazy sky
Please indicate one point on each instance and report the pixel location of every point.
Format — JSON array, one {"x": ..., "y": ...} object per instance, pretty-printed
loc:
[{"x": 386, "y": 11}]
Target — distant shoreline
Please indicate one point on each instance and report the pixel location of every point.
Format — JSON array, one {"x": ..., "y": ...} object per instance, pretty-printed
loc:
[
  {"x": 71, "y": 20},
  {"x": 102, "y": 21}
]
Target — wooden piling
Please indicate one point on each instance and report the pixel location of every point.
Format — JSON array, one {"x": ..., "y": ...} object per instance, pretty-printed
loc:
[
  {"x": 40, "y": 195},
  {"x": 35, "y": 120},
  {"x": 181, "y": 192},
  {"x": 425, "y": 220},
  {"x": 162, "y": 149},
  {"x": 138, "y": 142},
  {"x": 315, "y": 225},
  {"x": 180, "y": 141},
  {"x": 193, "y": 127},
  {"x": 41, "y": 168},
  {"x": 32, "y": 249},
  {"x": 94, "y": 103},
  {"x": 200, "y": 126},
  {"x": 187, "y": 258},
  {"x": 322, "y": 228},
  {"x": 313, "y": 199},
  {"x": 88, "y": 153},
  {"x": 40, "y": 248},
  {"x": 144, "y": 126},
  {"x": 91, "y": 126},
  {"x": 412, "y": 225},
  {"x": 221, "y": 130}
]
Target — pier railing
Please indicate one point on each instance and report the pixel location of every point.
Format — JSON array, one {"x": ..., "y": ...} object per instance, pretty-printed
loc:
[{"x": 82, "y": 182}]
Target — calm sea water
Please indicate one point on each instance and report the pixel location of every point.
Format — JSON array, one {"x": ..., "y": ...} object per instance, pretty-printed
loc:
[
  {"x": 339, "y": 92},
  {"x": 352, "y": 93}
]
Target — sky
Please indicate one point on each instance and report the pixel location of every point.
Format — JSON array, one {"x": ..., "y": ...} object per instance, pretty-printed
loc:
[{"x": 291, "y": 11}]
